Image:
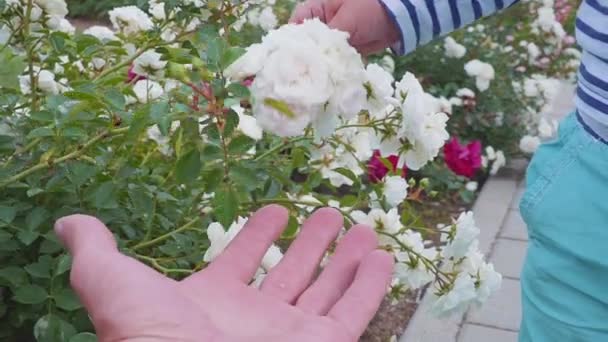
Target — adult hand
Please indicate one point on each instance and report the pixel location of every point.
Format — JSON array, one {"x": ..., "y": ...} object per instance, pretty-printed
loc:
[
  {"x": 128, "y": 301},
  {"x": 370, "y": 27}
]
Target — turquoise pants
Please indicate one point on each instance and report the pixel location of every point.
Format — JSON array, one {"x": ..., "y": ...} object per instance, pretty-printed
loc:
[{"x": 565, "y": 276}]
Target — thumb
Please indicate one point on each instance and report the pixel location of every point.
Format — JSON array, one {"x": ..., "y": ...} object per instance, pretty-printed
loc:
[
  {"x": 84, "y": 235},
  {"x": 94, "y": 255}
]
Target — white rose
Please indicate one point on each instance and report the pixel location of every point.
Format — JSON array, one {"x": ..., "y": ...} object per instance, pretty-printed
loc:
[
  {"x": 149, "y": 64},
  {"x": 395, "y": 190},
  {"x": 529, "y": 144},
  {"x": 453, "y": 49},
  {"x": 380, "y": 84},
  {"x": 466, "y": 233},
  {"x": 249, "y": 64},
  {"x": 102, "y": 33},
  {"x": 471, "y": 186},
  {"x": 457, "y": 300},
  {"x": 147, "y": 90},
  {"x": 130, "y": 20},
  {"x": 499, "y": 162}
]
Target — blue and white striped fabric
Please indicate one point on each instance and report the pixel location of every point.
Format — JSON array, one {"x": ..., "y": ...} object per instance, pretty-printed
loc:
[{"x": 421, "y": 21}]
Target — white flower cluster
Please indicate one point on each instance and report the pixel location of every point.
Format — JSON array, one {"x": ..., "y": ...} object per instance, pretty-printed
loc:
[
  {"x": 130, "y": 20},
  {"x": 220, "y": 238},
  {"x": 474, "y": 281},
  {"x": 453, "y": 49},
  {"x": 302, "y": 72},
  {"x": 496, "y": 160},
  {"x": 483, "y": 73},
  {"x": 457, "y": 269},
  {"x": 44, "y": 14},
  {"x": 257, "y": 13}
]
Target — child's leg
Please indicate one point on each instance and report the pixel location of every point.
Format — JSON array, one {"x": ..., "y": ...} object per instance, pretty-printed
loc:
[{"x": 565, "y": 276}]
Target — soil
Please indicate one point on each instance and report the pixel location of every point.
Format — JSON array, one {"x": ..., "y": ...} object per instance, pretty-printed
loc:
[{"x": 393, "y": 318}]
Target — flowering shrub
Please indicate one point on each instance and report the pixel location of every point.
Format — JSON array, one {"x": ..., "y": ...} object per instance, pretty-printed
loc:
[
  {"x": 172, "y": 127},
  {"x": 500, "y": 76}
]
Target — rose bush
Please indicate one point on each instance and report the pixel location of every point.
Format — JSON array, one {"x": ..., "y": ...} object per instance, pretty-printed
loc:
[{"x": 174, "y": 125}]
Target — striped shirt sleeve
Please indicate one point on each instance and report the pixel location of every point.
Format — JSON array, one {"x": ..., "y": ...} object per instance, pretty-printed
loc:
[{"x": 421, "y": 21}]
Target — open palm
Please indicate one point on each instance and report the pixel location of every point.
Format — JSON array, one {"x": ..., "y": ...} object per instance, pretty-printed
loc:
[{"x": 128, "y": 301}]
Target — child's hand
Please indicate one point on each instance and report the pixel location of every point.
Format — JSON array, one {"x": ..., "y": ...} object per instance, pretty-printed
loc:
[{"x": 370, "y": 27}]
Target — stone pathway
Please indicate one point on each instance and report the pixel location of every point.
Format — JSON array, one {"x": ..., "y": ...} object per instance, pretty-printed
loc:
[{"x": 498, "y": 320}]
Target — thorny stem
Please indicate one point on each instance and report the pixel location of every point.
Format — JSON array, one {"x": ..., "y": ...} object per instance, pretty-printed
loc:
[
  {"x": 165, "y": 236},
  {"x": 280, "y": 147},
  {"x": 154, "y": 263},
  {"x": 72, "y": 155}
]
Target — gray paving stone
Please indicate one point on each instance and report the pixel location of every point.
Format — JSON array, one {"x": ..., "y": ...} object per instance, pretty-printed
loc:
[
  {"x": 502, "y": 310},
  {"x": 477, "y": 333},
  {"x": 508, "y": 257},
  {"x": 491, "y": 208},
  {"x": 518, "y": 195},
  {"x": 424, "y": 327},
  {"x": 514, "y": 226}
]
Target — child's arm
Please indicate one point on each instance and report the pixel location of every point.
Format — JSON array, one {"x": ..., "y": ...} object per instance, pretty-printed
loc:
[
  {"x": 402, "y": 24},
  {"x": 421, "y": 21}
]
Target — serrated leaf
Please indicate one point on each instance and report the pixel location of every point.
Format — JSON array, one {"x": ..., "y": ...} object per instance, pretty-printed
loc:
[
  {"x": 27, "y": 237},
  {"x": 188, "y": 167},
  {"x": 66, "y": 299},
  {"x": 41, "y": 268},
  {"x": 35, "y": 218},
  {"x": 292, "y": 228},
  {"x": 103, "y": 196},
  {"x": 230, "y": 55},
  {"x": 43, "y": 116},
  {"x": 7, "y": 214},
  {"x": 225, "y": 205},
  {"x": 14, "y": 275},
  {"x": 51, "y": 328},
  {"x": 115, "y": 99},
  {"x": 232, "y": 121},
  {"x": 240, "y": 144},
  {"x": 280, "y": 106},
  {"x": 84, "y": 337},
  {"x": 11, "y": 67},
  {"x": 30, "y": 294},
  {"x": 40, "y": 132},
  {"x": 244, "y": 177},
  {"x": 238, "y": 90},
  {"x": 64, "y": 263}
]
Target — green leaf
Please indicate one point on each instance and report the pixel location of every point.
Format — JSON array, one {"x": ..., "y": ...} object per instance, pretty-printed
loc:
[
  {"x": 232, "y": 121},
  {"x": 64, "y": 263},
  {"x": 35, "y": 218},
  {"x": 240, "y": 144},
  {"x": 79, "y": 172},
  {"x": 40, "y": 132},
  {"x": 40, "y": 269},
  {"x": 11, "y": 67},
  {"x": 66, "y": 299},
  {"x": 188, "y": 167},
  {"x": 230, "y": 55},
  {"x": 27, "y": 237},
  {"x": 57, "y": 40},
  {"x": 245, "y": 177},
  {"x": 225, "y": 204},
  {"x": 292, "y": 228},
  {"x": 115, "y": 99},
  {"x": 238, "y": 90},
  {"x": 14, "y": 275},
  {"x": 84, "y": 337},
  {"x": 216, "y": 48},
  {"x": 30, "y": 294},
  {"x": 51, "y": 328},
  {"x": 7, "y": 214},
  {"x": 103, "y": 196},
  {"x": 281, "y": 106},
  {"x": 80, "y": 95},
  {"x": 139, "y": 122},
  {"x": 43, "y": 116}
]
